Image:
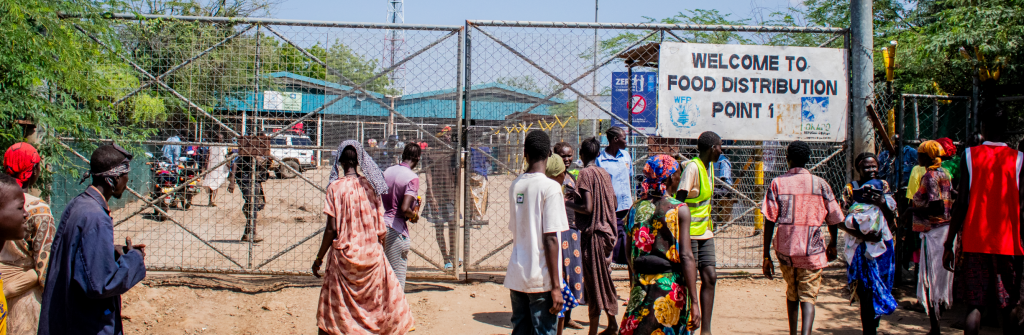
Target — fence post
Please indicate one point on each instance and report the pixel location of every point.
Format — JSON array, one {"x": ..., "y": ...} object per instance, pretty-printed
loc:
[
  {"x": 917, "y": 122},
  {"x": 899, "y": 144},
  {"x": 935, "y": 118},
  {"x": 465, "y": 67},
  {"x": 863, "y": 71}
]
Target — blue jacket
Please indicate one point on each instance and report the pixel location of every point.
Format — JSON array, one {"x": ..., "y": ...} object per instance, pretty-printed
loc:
[{"x": 86, "y": 277}]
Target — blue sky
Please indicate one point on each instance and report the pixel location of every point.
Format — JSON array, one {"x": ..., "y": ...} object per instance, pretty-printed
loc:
[{"x": 454, "y": 12}]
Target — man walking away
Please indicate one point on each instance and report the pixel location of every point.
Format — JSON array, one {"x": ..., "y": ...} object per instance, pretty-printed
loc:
[
  {"x": 696, "y": 188},
  {"x": 88, "y": 273},
  {"x": 400, "y": 208},
  {"x": 619, "y": 164},
  {"x": 799, "y": 202},
  {"x": 986, "y": 215},
  {"x": 537, "y": 217}
]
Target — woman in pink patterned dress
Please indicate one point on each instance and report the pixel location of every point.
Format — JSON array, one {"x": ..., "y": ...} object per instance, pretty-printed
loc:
[{"x": 361, "y": 294}]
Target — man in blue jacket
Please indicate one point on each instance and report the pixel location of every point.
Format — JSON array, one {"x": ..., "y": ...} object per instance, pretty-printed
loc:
[{"x": 88, "y": 273}]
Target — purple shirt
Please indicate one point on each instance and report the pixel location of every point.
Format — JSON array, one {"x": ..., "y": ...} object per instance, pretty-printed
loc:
[{"x": 401, "y": 180}]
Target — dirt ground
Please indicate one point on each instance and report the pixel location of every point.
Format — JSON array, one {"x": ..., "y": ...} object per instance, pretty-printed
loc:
[
  {"x": 171, "y": 303},
  {"x": 207, "y": 238}
]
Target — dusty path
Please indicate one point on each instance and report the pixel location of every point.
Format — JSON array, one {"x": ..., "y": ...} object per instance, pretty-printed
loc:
[{"x": 743, "y": 306}]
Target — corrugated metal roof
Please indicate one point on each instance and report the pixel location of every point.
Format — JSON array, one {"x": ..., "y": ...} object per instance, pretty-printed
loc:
[{"x": 492, "y": 101}]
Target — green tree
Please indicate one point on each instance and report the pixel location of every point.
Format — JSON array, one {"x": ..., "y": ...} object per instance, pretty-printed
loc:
[
  {"x": 615, "y": 44},
  {"x": 55, "y": 76}
]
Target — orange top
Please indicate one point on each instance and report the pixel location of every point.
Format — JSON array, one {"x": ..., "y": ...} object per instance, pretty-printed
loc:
[{"x": 992, "y": 225}]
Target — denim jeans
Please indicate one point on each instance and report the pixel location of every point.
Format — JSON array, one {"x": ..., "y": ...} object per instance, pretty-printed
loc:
[{"x": 531, "y": 315}]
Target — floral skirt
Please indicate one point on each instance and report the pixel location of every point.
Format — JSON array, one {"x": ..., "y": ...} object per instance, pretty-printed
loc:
[{"x": 659, "y": 305}]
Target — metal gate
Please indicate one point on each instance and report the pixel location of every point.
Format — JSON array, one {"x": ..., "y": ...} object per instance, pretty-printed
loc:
[
  {"x": 559, "y": 67},
  {"x": 307, "y": 85},
  {"x": 467, "y": 94}
]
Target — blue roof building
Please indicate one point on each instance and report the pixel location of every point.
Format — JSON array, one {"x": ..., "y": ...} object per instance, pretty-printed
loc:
[{"x": 489, "y": 101}]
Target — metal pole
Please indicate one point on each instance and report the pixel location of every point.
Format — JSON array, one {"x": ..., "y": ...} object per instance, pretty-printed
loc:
[
  {"x": 935, "y": 119},
  {"x": 391, "y": 118},
  {"x": 862, "y": 66},
  {"x": 629, "y": 98},
  {"x": 899, "y": 144},
  {"x": 319, "y": 138},
  {"x": 917, "y": 123},
  {"x": 974, "y": 104},
  {"x": 593, "y": 83},
  {"x": 462, "y": 110},
  {"x": 466, "y": 67},
  {"x": 251, "y": 220}
]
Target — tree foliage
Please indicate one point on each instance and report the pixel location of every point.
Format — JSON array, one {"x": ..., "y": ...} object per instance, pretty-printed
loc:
[{"x": 55, "y": 76}]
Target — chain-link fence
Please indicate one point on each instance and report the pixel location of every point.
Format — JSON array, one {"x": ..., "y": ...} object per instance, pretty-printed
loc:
[
  {"x": 210, "y": 84},
  {"x": 467, "y": 95},
  {"x": 572, "y": 65}
]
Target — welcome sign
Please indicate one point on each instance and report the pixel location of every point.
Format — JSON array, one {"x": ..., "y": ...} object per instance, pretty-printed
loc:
[{"x": 750, "y": 92}]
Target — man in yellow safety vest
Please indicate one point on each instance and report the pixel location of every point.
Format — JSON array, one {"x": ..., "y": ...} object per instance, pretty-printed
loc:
[{"x": 696, "y": 188}]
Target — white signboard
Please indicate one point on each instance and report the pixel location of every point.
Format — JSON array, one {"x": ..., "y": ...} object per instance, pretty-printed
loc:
[
  {"x": 282, "y": 101},
  {"x": 749, "y": 92}
]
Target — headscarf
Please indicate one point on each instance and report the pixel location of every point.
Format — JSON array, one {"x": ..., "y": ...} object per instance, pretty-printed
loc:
[
  {"x": 947, "y": 146},
  {"x": 555, "y": 166},
  {"x": 111, "y": 175},
  {"x": 656, "y": 171},
  {"x": 370, "y": 169},
  {"x": 19, "y": 161},
  {"x": 934, "y": 150}
]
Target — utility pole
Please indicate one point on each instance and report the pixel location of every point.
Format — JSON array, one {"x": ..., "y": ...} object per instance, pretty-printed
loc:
[
  {"x": 593, "y": 87},
  {"x": 394, "y": 43},
  {"x": 862, "y": 68}
]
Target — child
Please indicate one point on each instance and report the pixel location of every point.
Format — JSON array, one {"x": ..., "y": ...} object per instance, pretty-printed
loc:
[
  {"x": 537, "y": 216},
  {"x": 12, "y": 219}
]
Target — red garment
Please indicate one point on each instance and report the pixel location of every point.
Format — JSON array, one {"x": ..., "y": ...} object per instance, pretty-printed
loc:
[
  {"x": 19, "y": 161},
  {"x": 948, "y": 148},
  {"x": 992, "y": 225}
]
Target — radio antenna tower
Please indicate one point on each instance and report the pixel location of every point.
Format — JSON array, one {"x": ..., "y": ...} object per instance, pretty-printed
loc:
[{"x": 394, "y": 45}]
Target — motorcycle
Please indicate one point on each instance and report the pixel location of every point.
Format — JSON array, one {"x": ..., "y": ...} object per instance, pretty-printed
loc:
[
  {"x": 165, "y": 180},
  {"x": 188, "y": 168}
]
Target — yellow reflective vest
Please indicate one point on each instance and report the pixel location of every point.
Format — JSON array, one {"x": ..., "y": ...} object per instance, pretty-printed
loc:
[{"x": 700, "y": 207}]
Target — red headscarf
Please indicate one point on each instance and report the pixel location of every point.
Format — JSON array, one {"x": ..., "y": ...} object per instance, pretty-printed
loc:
[
  {"x": 19, "y": 161},
  {"x": 947, "y": 146}
]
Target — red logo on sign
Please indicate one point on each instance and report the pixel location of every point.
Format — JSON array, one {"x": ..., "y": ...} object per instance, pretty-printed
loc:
[{"x": 639, "y": 104}]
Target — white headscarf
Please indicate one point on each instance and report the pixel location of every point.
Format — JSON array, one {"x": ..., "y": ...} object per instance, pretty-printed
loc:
[{"x": 370, "y": 169}]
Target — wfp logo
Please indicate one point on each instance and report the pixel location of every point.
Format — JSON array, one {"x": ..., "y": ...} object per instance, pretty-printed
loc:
[
  {"x": 684, "y": 112},
  {"x": 812, "y": 108}
]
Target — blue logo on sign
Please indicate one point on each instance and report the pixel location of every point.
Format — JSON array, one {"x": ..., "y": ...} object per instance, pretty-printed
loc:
[
  {"x": 813, "y": 107},
  {"x": 684, "y": 112}
]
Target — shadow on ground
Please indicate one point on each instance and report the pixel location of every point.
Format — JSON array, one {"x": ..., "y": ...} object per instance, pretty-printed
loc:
[{"x": 500, "y": 319}]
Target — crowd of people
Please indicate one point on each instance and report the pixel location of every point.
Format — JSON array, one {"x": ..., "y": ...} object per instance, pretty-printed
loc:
[{"x": 569, "y": 225}]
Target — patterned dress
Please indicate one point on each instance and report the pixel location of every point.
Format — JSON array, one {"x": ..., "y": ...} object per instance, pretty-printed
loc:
[
  {"x": 360, "y": 294},
  {"x": 23, "y": 265},
  {"x": 572, "y": 262},
  {"x": 658, "y": 303}
]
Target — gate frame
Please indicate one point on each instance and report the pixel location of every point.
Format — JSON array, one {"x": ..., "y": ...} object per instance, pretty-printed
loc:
[
  {"x": 267, "y": 23},
  {"x": 654, "y": 28}
]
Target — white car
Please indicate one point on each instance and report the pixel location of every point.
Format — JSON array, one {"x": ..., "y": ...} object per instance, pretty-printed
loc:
[{"x": 299, "y": 159}]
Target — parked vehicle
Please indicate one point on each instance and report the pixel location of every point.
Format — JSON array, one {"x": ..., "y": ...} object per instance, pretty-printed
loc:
[
  {"x": 165, "y": 179},
  {"x": 188, "y": 168},
  {"x": 299, "y": 159}
]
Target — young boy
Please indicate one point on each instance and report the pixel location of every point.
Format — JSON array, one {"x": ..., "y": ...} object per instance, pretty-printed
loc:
[
  {"x": 12, "y": 217},
  {"x": 537, "y": 216},
  {"x": 798, "y": 202}
]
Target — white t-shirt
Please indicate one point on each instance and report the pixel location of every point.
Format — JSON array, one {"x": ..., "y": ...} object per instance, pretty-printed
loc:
[{"x": 538, "y": 207}]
